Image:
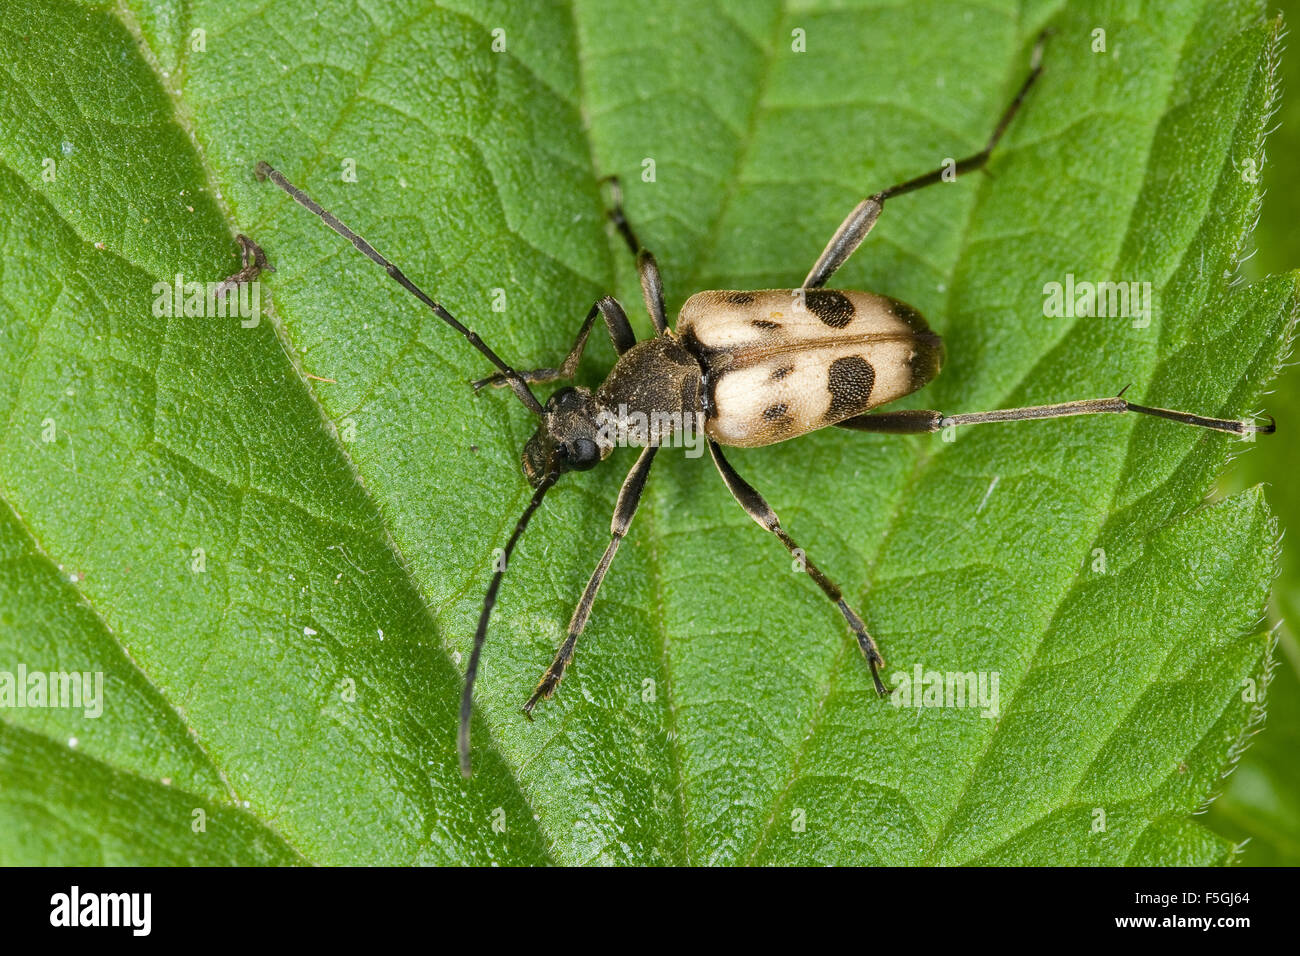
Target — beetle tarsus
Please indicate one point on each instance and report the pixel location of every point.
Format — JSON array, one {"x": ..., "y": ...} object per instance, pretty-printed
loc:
[
  {"x": 875, "y": 665},
  {"x": 545, "y": 690},
  {"x": 555, "y": 673}
]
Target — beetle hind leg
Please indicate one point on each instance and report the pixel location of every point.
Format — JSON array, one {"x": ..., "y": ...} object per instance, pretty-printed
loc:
[
  {"x": 918, "y": 421},
  {"x": 853, "y": 230},
  {"x": 758, "y": 509}
]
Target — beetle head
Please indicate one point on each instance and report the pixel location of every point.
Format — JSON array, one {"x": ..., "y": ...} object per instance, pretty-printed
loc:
[{"x": 570, "y": 437}]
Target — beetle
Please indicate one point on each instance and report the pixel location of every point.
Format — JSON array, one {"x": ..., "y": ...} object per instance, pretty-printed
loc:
[{"x": 754, "y": 366}]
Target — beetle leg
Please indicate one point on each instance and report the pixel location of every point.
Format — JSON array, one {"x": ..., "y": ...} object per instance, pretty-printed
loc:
[
  {"x": 652, "y": 286},
  {"x": 918, "y": 420},
  {"x": 761, "y": 511},
  {"x": 858, "y": 223},
  {"x": 628, "y": 499},
  {"x": 620, "y": 333}
]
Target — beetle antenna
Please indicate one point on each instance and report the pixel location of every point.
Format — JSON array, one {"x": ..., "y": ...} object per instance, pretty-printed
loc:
[
  {"x": 266, "y": 171},
  {"x": 480, "y": 635}
]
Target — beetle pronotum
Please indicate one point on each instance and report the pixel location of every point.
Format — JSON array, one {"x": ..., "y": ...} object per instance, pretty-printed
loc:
[{"x": 756, "y": 367}]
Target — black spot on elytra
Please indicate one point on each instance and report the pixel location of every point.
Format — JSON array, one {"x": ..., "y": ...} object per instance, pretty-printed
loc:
[
  {"x": 832, "y": 307},
  {"x": 849, "y": 380},
  {"x": 926, "y": 360},
  {"x": 774, "y": 413},
  {"x": 915, "y": 320},
  {"x": 739, "y": 298},
  {"x": 782, "y": 372},
  {"x": 764, "y": 324}
]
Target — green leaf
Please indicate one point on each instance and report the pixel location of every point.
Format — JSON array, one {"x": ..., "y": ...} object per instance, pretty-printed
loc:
[
  {"x": 346, "y": 488},
  {"x": 1262, "y": 799}
]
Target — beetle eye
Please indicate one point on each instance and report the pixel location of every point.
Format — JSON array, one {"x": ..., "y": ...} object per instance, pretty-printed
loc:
[{"x": 580, "y": 454}]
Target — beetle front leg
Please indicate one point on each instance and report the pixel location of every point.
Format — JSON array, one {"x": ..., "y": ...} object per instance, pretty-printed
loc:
[
  {"x": 629, "y": 497},
  {"x": 620, "y": 333},
  {"x": 762, "y": 512}
]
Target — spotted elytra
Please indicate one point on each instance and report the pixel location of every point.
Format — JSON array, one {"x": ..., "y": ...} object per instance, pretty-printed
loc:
[{"x": 748, "y": 368}]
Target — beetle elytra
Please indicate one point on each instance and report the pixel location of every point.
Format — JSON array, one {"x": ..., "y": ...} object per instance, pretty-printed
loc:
[{"x": 754, "y": 367}]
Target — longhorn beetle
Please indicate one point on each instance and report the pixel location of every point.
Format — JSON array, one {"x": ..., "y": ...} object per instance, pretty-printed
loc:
[{"x": 756, "y": 367}]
